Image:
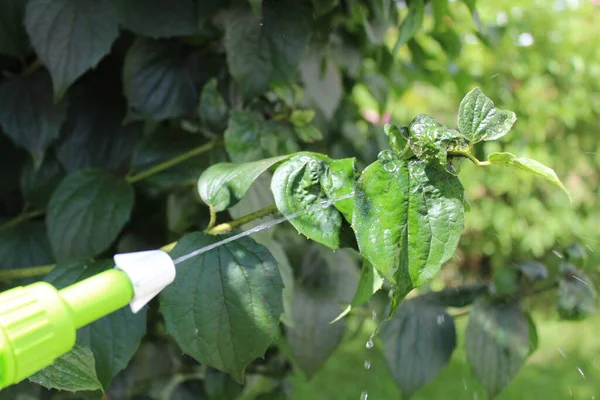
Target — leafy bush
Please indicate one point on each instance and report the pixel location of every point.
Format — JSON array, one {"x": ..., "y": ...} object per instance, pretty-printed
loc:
[{"x": 128, "y": 125}]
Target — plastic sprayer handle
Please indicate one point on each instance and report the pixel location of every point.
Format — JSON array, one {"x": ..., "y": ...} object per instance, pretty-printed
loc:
[{"x": 38, "y": 322}]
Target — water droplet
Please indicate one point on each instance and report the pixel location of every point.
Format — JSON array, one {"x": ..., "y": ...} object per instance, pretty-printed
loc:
[
  {"x": 369, "y": 344},
  {"x": 581, "y": 372},
  {"x": 562, "y": 352},
  {"x": 196, "y": 331},
  {"x": 364, "y": 395},
  {"x": 464, "y": 384},
  {"x": 374, "y": 314},
  {"x": 390, "y": 167},
  {"x": 440, "y": 319},
  {"x": 367, "y": 364}
]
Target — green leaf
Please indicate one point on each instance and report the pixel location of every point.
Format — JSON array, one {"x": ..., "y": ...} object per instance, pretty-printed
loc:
[
  {"x": 213, "y": 109},
  {"x": 297, "y": 186},
  {"x": 577, "y": 298},
  {"x": 158, "y": 79},
  {"x": 529, "y": 165},
  {"x": 250, "y": 138},
  {"x": 399, "y": 140},
  {"x": 223, "y": 308},
  {"x": 322, "y": 7},
  {"x": 408, "y": 218},
  {"x": 368, "y": 284},
  {"x": 158, "y": 18},
  {"x": 412, "y": 23},
  {"x": 86, "y": 213},
  {"x": 339, "y": 183},
  {"x": 419, "y": 341},
  {"x": 13, "y": 37},
  {"x": 37, "y": 185},
  {"x": 74, "y": 371},
  {"x": 28, "y": 114},
  {"x": 458, "y": 296},
  {"x": 223, "y": 185},
  {"x": 25, "y": 245},
  {"x": 301, "y": 118},
  {"x": 328, "y": 280},
  {"x": 71, "y": 36},
  {"x": 322, "y": 84},
  {"x": 577, "y": 255},
  {"x": 93, "y": 134},
  {"x": 287, "y": 276},
  {"x": 497, "y": 343},
  {"x": 533, "y": 271},
  {"x": 479, "y": 119},
  {"x": 441, "y": 9},
  {"x": 308, "y": 133},
  {"x": 262, "y": 49},
  {"x": 219, "y": 386},
  {"x": 113, "y": 339}
]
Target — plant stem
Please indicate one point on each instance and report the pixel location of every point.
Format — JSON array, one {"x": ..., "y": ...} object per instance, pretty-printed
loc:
[
  {"x": 31, "y": 68},
  {"x": 213, "y": 219},
  {"x": 20, "y": 218},
  {"x": 170, "y": 163},
  {"x": 231, "y": 225},
  {"x": 470, "y": 156}
]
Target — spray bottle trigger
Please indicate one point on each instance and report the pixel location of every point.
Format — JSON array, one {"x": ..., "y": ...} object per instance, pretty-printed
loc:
[{"x": 149, "y": 272}]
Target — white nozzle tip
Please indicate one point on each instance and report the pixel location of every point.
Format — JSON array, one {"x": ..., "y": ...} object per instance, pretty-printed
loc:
[{"x": 149, "y": 272}]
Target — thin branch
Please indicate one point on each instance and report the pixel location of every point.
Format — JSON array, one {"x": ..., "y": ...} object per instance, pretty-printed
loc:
[
  {"x": 236, "y": 223},
  {"x": 21, "y": 218}
]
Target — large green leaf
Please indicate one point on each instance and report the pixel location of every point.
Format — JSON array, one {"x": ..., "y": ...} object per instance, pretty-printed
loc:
[
  {"x": 408, "y": 218},
  {"x": 412, "y": 23},
  {"x": 223, "y": 308},
  {"x": 297, "y": 186},
  {"x": 497, "y": 342},
  {"x": 113, "y": 339},
  {"x": 262, "y": 49},
  {"x": 71, "y": 36},
  {"x": 74, "y": 371},
  {"x": 223, "y": 185},
  {"x": 158, "y": 80},
  {"x": 25, "y": 245},
  {"x": 86, "y": 213},
  {"x": 28, "y": 114},
  {"x": 213, "y": 109},
  {"x": 327, "y": 281},
  {"x": 479, "y": 119},
  {"x": 419, "y": 341},
  {"x": 250, "y": 138},
  {"x": 158, "y": 18},
  {"x": 93, "y": 134},
  {"x": 13, "y": 37},
  {"x": 529, "y": 165},
  {"x": 38, "y": 185}
]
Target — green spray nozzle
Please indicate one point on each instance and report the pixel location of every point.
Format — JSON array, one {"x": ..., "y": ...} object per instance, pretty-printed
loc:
[{"x": 38, "y": 322}]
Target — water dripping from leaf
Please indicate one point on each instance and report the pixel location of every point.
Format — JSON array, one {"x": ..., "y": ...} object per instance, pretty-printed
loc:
[
  {"x": 364, "y": 395},
  {"x": 367, "y": 364},
  {"x": 581, "y": 372}
]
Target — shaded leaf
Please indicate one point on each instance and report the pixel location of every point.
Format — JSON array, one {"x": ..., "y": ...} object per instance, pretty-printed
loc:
[
  {"x": 28, "y": 114},
  {"x": 322, "y": 7},
  {"x": 230, "y": 312},
  {"x": 213, "y": 109},
  {"x": 308, "y": 133},
  {"x": 250, "y": 138},
  {"x": 158, "y": 18},
  {"x": 37, "y": 186},
  {"x": 223, "y": 185},
  {"x": 13, "y": 37},
  {"x": 408, "y": 218},
  {"x": 368, "y": 284},
  {"x": 71, "y": 36},
  {"x": 115, "y": 338},
  {"x": 419, "y": 341},
  {"x": 287, "y": 276},
  {"x": 497, "y": 343},
  {"x": 74, "y": 371},
  {"x": 577, "y": 298},
  {"x": 297, "y": 186},
  {"x": 328, "y": 280},
  {"x": 458, "y": 296},
  {"x": 322, "y": 85},
  {"x": 220, "y": 386},
  {"x": 86, "y": 213},
  {"x": 533, "y": 271},
  {"x": 25, "y": 245},
  {"x": 158, "y": 80},
  {"x": 529, "y": 165},
  {"x": 576, "y": 254},
  {"x": 412, "y": 23},
  {"x": 479, "y": 119}
]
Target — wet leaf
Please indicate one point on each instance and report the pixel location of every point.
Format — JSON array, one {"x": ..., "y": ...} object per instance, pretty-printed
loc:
[
  {"x": 419, "y": 341},
  {"x": 223, "y": 185},
  {"x": 340, "y": 183},
  {"x": 231, "y": 312},
  {"x": 497, "y": 343},
  {"x": 408, "y": 218},
  {"x": 479, "y": 119},
  {"x": 529, "y": 165}
]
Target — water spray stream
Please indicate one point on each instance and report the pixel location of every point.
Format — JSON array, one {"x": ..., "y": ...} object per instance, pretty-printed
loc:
[{"x": 258, "y": 228}]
